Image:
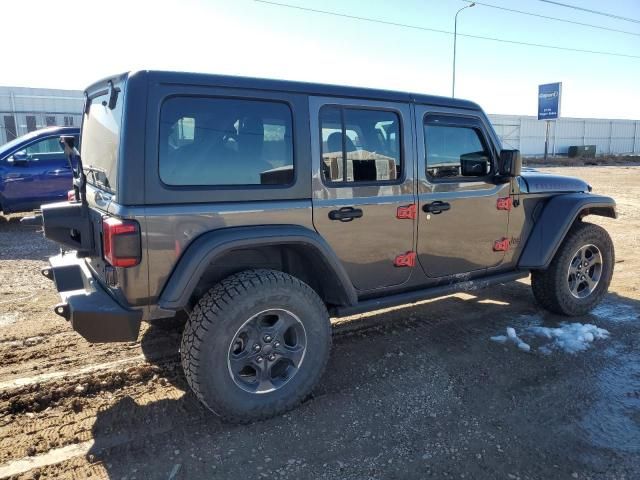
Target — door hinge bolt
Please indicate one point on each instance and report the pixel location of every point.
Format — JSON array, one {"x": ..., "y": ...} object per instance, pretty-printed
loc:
[
  {"x": 505, "y": 203},
  {"x": 501, "y": 245},
  {"x": 405, "y": 260},
  {"x": 407, "y": 212}
]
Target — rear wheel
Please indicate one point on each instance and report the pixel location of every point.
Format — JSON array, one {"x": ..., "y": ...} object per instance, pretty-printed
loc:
[
  {"x": 579, "y": 275},
  {"x": 255, "y": 345}
]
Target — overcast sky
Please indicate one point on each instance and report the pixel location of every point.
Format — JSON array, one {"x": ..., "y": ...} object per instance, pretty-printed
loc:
[{"x": 70, "y": 44}]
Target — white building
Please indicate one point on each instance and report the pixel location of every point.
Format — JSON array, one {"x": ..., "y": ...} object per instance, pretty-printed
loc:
[
  {"x": 23, "y": 110},
  {"x": 527, "y": 134}
]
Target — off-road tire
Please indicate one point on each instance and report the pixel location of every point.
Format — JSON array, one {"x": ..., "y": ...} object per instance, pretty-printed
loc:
[
  {"x": 550, "y": 286},
  {"x": 213, "y": 323}
]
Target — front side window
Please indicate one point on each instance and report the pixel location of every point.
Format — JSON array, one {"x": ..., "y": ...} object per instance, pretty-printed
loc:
[
  {"x": 454, "y": 151},
  {"x": 359, "y": 145},
  {"x": 49, "y": 145},
  {"x": 224, "y": 142}
]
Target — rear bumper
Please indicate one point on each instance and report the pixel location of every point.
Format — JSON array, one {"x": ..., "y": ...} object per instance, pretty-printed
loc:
[{"x": 93, "y": 313}]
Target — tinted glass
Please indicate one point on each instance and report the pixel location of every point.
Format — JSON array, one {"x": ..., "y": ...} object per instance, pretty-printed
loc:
[
  {"x": 49, "y": 145},
  {"x": 454, "y": 151},
  {"x": 360, "y": 145},
  {"x": 215, "y": 141}
]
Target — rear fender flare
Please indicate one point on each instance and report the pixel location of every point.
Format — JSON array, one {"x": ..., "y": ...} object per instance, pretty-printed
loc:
[
  {"x": 211, "y": 246},
  {"x": 556, "y": 218}
]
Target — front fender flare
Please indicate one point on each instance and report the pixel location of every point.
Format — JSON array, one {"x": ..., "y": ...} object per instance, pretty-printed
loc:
[
  {"x": 557, "y": 217},
  {"x": 208, "y": 247}
]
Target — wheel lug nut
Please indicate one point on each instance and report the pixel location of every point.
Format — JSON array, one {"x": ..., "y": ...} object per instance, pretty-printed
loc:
[
  {"x": 257, "y": 347},
  {"x": 267, "y": 338},
  {"x": 259, "y": 358},
  {"x": 272, "y": 357},
  {"x": 276, "y": 344}
]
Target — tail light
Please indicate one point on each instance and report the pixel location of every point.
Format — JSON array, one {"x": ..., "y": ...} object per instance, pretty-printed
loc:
[
  {"x": 71, "y": 196},
  {"x": 121, "y": 242}
]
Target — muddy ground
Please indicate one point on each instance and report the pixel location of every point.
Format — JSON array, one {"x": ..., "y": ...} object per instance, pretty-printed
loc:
[{"x": 409, "y": 393}]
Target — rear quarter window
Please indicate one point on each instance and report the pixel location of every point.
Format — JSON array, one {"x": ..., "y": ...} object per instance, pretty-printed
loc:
[{"x": 207, "y": 141}]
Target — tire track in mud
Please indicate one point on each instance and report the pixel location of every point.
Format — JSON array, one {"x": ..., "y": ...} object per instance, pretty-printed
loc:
[
  {"x": 37, "y": 418},
  {"x": 71, "y": 415}
]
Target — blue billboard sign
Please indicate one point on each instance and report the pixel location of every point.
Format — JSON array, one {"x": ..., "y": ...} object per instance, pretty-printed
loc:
[{"x": 549, "y": 101}]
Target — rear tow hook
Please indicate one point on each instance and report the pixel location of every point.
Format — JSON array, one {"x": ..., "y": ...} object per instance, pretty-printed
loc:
[
  {"x": 62, "y": 309},
  {"x": 47, "y": 272}
]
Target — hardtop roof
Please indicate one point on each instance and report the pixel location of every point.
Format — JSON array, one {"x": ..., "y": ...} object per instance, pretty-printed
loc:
[{"x": 328, "y": 90}]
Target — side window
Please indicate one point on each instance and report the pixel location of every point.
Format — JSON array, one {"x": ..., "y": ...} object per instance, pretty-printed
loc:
[
  {"x": 48, "y": 145},
  {"x": 360, "y": 145},
  {"x": 216, "y": 141},
  {"x": 455, "y": 152}
]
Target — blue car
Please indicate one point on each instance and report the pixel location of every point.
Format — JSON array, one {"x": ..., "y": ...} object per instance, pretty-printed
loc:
[{"x": 34, "y": 170}]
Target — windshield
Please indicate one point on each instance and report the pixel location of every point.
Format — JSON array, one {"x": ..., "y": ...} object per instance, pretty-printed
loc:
[{"x": 101, "y": 140}]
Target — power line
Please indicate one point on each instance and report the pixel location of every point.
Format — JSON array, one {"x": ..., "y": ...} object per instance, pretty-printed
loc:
[
  {"x": 426, "y": 29},
  {"x": 618, "y": 17},
  {"x": 552, "y": 18}
]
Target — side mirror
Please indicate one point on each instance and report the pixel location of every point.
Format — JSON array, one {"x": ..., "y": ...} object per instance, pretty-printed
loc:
[
  {"x": 19, "y": 158},
  {"x": 473, "y": 167},
  {"x": 68, "y": 143},
  {"x": 510, "y": 163}
]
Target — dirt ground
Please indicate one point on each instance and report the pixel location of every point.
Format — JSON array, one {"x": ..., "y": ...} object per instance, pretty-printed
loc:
[{"x": 410, "y": 393}]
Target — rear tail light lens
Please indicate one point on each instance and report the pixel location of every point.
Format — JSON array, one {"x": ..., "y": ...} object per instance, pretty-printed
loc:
[
  {"x": 71, "y": 196},
  {"x": 121, "y": 242}
]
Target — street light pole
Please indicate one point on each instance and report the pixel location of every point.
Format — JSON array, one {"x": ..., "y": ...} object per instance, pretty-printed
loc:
[{"x": 455, "y": 37}]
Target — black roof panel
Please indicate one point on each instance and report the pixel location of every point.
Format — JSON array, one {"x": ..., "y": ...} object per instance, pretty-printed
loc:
[{"x": 202, "y": 79}]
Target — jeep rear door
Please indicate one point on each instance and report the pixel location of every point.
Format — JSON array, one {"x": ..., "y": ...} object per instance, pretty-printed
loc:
[
  {"x": 363, "y": 174},
  {"x": 460, "y": 227}
]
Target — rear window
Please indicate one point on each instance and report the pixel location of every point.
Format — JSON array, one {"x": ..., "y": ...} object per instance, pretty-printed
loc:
[
  {"x": 208, "y": 141},
  {"x": 101, "y": 140}
]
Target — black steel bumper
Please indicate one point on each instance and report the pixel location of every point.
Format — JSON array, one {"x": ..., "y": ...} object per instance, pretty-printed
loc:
[{"x": 93, "y": 313}]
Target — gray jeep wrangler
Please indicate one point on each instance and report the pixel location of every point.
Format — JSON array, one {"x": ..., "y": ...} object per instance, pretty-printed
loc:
[{"x": 262, "y": 208}]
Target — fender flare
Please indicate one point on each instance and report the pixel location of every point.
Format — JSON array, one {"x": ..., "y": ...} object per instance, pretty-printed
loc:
[
  {"x": 210, "y": 246},
  {"x": 556, "y": 218}
]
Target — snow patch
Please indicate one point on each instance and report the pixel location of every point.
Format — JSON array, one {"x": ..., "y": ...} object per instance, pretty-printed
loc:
[
  {"x": 571, "y": 337},
  {"x": 513, "y": 338},
  {"x": 568, "y": 337}
]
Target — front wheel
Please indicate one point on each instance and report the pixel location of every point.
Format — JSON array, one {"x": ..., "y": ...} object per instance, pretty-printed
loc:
[
  {"x": 255, "y": 345},
  {"x": 580, "y": 273}
]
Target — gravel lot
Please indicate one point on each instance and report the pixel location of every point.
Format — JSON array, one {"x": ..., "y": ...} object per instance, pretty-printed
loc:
[{"x": 410, "y": 393}]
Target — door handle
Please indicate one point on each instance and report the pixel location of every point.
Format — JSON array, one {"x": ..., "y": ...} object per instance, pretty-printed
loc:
[
  {"x": 345, "y": 214},
  {"x": 436, "y": 207}
]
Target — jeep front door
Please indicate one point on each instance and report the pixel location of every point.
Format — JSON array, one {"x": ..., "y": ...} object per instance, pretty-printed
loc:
[
  {"x": 462, "y": 211},
  {"x": 363, "y": 177}
]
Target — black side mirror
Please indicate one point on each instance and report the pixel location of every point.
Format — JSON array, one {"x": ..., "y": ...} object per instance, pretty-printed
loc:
[
  {"x": 68, "y": 143},
  {"x": 510, "y": 163},
  {"x": 473, "y": 167},
  {"x": 19, "y": 158}
]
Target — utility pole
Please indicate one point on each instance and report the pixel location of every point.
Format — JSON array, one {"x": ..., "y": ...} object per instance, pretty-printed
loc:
[{"x": 455, "y": 37}]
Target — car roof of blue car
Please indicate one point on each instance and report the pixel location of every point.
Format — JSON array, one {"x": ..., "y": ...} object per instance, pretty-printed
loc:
[{"x": 17, "y": 143}]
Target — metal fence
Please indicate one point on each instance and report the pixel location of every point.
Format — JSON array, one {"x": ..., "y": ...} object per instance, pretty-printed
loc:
[{"x": 527, "y": 134}]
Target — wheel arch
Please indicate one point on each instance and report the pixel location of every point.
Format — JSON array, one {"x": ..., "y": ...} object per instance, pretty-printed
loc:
[
  {"x": 556, "y": 219},
  {"x": 293, "y": 249}
]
